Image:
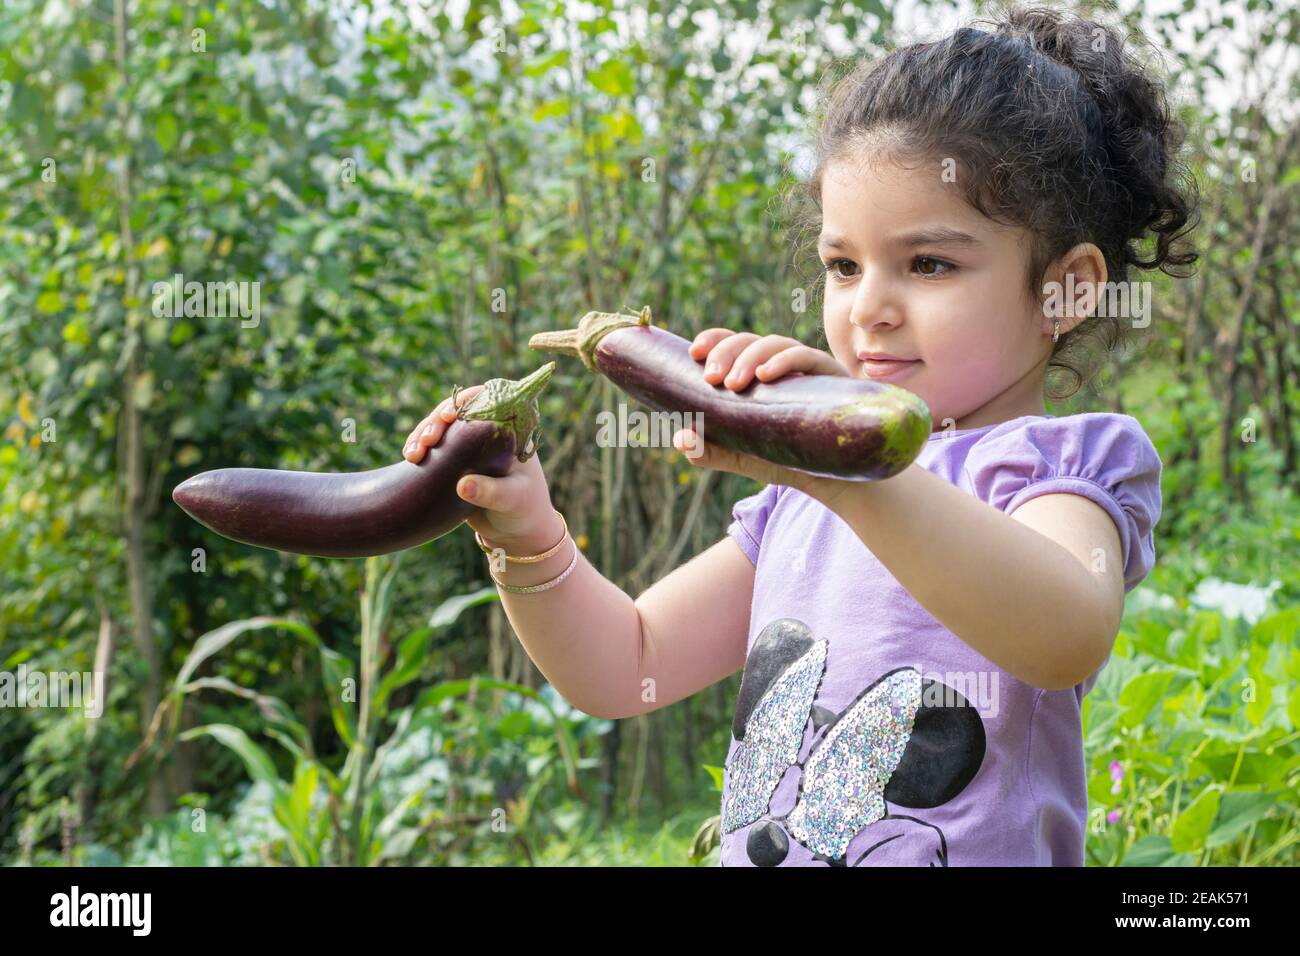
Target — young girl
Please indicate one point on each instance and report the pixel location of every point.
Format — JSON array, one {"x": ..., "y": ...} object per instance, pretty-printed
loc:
[{"x": 915, "y": 650}]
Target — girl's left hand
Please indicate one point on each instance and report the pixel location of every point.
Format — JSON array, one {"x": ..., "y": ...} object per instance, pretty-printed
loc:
[{"x": 735, "y": 359}]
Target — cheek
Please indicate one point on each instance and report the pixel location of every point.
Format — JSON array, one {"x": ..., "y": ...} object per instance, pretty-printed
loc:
[
  {"x": 839, "y": 336},
  {"x": 963, "y": 348}
]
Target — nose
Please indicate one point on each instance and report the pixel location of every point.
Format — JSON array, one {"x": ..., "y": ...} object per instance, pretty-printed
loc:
[{"x": 873, "y": 304}]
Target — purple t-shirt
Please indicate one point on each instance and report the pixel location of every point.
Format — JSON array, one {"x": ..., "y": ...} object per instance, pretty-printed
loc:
[{"x": 865, "y": 732}]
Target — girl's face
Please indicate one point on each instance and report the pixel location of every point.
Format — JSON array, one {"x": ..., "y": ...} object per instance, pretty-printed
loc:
[{"x": 915, "y": 273}]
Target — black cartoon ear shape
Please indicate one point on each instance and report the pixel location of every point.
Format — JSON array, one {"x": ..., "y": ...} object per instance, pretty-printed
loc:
[
  {"x": 767, "y": 844},
  {"x": 777, "y": 646},
  {"x": 943, "y": 753}
]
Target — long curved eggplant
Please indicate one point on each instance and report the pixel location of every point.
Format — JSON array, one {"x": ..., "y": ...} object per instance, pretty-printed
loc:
[
  {"x": 360, "y": 514},
  {"x": 824, "y": 425}
]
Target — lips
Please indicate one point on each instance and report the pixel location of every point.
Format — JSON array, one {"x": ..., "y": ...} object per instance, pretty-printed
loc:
[{"x": 888, "y": 368}]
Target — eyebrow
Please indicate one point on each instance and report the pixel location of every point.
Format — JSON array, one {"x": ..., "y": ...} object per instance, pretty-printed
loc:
[{"x": 935, "y": 235}]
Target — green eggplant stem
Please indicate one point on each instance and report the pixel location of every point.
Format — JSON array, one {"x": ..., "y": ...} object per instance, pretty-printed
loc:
[
  {"x": 511, "y": 404},
  {"x": 582, "y": 341}
]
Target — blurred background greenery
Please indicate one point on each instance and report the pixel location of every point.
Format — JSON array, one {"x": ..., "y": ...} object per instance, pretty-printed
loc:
[{"x": 418, "y": 188}]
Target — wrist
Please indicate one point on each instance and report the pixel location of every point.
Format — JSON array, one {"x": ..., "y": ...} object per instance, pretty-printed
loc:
[{"x": 536, "y": 540}]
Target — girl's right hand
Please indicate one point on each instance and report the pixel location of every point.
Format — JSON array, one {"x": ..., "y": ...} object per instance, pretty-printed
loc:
[{"x": 516, "y": 512}]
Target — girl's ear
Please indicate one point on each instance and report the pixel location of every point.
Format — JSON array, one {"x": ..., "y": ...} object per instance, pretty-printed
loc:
[{"x": 1086, "y": 264}]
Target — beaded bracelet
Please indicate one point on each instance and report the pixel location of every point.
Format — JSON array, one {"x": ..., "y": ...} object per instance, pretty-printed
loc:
[{"x": 545, "y": 585}]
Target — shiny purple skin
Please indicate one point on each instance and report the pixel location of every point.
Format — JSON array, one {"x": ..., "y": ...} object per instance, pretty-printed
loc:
[
  {"x": 824, "y": 425},
  {"x": 351, "y": 514}
]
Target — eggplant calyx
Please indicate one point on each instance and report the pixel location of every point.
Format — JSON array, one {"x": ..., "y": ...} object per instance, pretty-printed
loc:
[
  {"x": 512, "y": 405},
  {"x": 583, "y": 340}
]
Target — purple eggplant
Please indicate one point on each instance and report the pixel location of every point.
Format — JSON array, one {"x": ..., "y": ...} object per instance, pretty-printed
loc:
[
  {"x": 824, "y": 425},
  {"x": 364, "y": 513}
]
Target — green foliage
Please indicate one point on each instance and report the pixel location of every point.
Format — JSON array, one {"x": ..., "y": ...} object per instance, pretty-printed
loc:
[
  {"x": 1191, "y": 730},
  {"x": 414, "y": 196},
  {"x": 349, "y": 815}
]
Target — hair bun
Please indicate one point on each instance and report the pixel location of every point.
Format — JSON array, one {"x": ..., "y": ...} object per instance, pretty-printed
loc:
[{"x": 1141, "y": 134}]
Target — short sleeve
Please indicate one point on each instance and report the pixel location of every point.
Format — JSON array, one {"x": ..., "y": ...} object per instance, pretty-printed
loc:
[
  {"x": 1105, "y": 457},
  {"x": 749, "y": 519}
]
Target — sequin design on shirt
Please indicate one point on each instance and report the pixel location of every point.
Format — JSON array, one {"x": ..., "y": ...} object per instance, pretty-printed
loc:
[
  {"x": 773, "y": 737},
  {"x": 844, "y": 779}
]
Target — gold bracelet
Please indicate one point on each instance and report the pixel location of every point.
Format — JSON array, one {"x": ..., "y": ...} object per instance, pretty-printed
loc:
[
  {"x": 545, "y": 585},
  {"x": 532, "y": 558}
]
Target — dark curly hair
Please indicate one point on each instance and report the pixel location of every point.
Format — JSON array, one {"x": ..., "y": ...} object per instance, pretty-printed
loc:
[{"x": 1053, "y": 123}]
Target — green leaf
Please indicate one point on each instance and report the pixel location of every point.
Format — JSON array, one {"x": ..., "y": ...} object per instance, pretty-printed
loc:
[
  {"x": 1256, "y": 769},
  {"x": 335, "y": 669},
  {"x": 1257, "y": 709},
  {"x": 717, "y": 774},
  {"x": 49, "y": 302},
  {"x": 1155, "y": 851},
  {"x": 1284, "y": 627},
  {"x": 1193, "y": 824},
  {"x": 613, "y": 77},
  {"x": 77, "y": 332},
  {"x": 1141, "y": 694},
  {"x": 514, "y": 725},
  {"x": 450, "y": 609},
  {"x": 1237, "y": 811},
  {"x": 550, "y": 108},
  {"x": 273, "y": 709},
  {"x": 411, "y": 653},
  {"x": 547, "y": 63},
  {"x": 182, "y": 332},
  {"x": 306, "y": 778},
  {"x": 256, "y": 760},
  {"x": 216, "y": 640},
  {"x": 167, "y": 132}
]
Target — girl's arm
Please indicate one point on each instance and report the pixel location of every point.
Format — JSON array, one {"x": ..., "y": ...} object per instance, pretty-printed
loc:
[
  {"x": 614, "y": 657},
  {"x": 1039, "y": 592}
]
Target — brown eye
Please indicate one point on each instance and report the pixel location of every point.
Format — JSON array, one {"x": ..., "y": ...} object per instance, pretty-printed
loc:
[
  {"x": 938, "y": 267},
  {"x": 832, "y": 268}
]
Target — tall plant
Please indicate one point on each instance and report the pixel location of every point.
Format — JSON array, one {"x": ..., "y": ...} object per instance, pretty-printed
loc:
[{"x": 340, "y": 816}]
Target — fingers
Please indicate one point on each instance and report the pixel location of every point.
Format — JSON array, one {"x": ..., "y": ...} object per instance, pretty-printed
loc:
[
  {"x": 432, "y": 427},
  {"x": 493, "y": 494},
  {"x": 705, "y": 341},
  {"x": 704, "y": 454},
  {"x": 723, "y": 353},
  {"x": 413, "y": 451},
  {"x": 800, "y": 359},
  {"x": 752, "y": 355}
]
